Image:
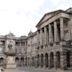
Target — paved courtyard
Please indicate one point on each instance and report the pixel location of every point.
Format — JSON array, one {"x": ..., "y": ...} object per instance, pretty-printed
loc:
[{"x": 35, "y": 70}]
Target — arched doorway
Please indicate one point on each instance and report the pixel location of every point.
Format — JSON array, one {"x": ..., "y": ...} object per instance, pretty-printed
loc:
[
  {"x": 26, "y": 61},
  {"x": 68, "y": 58},
  {"x": 37, "y": 60},
  {"x": 42, "y": 60},
  {"x": 58, "y": 59},
  {"x": 17, "y": 61},
  {"x": 1, "y": 61},
  {"x": 32, "y": 61},
  {"x": 46, "y": 60},
  {"x": 22, "y": 61},
  {"x": 51, "y": 60}
]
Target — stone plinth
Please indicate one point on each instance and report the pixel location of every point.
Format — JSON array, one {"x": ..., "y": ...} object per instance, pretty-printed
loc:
[{"x": 10, "y": 63}]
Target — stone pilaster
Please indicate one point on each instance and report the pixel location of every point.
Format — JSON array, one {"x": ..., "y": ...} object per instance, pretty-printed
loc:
[
  {"x": 44, "y": 61},
  {"x": 71, "y": 59},
  {"x": 54, "y": 61},
  {"x": 50, "y": 35},
  {"x": 35, "y": 61},
  {"x": 49, "y": 66},
  {"x": 61, "y": 29},
  {"x": 63, "y": 60},
  {"x": 56, "y": 38},
  {"x": 39, "y": 61}
]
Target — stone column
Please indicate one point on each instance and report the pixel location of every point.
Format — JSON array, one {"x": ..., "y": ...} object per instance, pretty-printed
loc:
[
  {"x": 50, "y": 35},
  {"x": 43, "y": 38},
  {"x": 56, "y": 38},
  {"x": 20, "y": 48},
  {"x": 37, "y": 38},
  {"x": 61, "y": 28},
  {"x": 40, "y": 37},
  {"x": 45, "y": 33}
]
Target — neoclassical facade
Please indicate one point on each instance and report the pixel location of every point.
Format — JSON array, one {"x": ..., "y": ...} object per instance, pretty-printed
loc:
[
  {"x": 54, "y": 46},
  {"x": 49, "y": 47}
]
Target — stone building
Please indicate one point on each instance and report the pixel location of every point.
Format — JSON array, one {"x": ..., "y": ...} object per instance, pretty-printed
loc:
[
  {"x": 49, "y": 47},
  {"x": 31, "y": 48},
  {"x": 20, "y": 47},
  {"x": 54, "y": 33}
]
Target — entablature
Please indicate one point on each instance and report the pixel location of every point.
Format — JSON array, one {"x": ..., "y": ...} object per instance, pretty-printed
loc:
[{"x": 52, "y": 19}]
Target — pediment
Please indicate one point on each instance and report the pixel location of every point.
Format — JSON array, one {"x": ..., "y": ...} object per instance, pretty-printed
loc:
[{"x": 47, "y": 16}]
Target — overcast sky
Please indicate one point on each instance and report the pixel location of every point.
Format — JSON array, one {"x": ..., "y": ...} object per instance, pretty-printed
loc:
[{"x": 21, "y": 16}]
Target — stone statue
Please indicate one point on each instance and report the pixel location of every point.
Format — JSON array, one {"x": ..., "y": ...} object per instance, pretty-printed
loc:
[{"x": 10, "y": 52}]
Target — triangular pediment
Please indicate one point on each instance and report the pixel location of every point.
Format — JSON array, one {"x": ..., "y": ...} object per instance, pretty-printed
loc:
[{"x": 47, "y": 16}]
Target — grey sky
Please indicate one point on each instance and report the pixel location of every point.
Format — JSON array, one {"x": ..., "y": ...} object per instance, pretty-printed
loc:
[{"x": 21, "y": 16}]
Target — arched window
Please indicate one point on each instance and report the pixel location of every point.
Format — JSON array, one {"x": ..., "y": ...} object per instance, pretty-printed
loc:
[
  {"x": 22, "y": 59},
  {"x": 51, "y": 60},
  {"x": 16, "y": 59},
  {"x": 2, "y": 58},
  {"x": 42, "y": 60},
  {"x": 46, "y": 60},
  {"x": 58, "y": 59}
]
